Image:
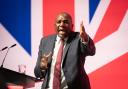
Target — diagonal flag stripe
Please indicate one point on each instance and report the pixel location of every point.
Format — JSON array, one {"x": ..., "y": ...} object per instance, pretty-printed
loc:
[
  {"x": 15, "y": 16},
  {"x": 112, "y": 76},
  {"x": 113, "y": 18},
  {"x": 92, "y": 8}
]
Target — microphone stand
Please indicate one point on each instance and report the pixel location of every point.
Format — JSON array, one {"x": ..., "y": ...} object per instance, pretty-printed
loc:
[{"x": 5, "y": 57}]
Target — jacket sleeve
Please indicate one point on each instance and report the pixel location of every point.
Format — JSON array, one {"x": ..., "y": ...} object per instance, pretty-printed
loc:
[
  {"x": 88, "y": 49},
  {"x": 37, "y": 71}
]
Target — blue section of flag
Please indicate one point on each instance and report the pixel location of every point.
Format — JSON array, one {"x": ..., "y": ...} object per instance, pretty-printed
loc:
[
  {"x": 92, "y": 8},
  {"x": 15, "y": 16}
]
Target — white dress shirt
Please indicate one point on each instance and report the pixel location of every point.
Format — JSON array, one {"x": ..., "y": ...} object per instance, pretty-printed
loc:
[{"x": 54, "y": 57}]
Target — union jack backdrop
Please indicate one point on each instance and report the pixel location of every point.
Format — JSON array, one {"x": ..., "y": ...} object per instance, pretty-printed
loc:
[{"x": 24, "y": 22}]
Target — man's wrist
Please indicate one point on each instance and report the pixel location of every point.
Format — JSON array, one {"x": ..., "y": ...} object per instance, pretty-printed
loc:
[{"x": 85, "y": 42}]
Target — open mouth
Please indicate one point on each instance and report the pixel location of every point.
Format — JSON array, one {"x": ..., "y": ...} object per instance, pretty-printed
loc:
[{"x": 62, "y": 31}]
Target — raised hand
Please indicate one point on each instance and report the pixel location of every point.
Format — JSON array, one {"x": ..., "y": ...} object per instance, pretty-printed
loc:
[
  {"x": 83, "y": 34},
  {"x": 44, "y": 61}
]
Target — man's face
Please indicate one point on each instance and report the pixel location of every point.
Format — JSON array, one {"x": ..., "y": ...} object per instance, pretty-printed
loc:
[{"x": 63, "y": 25}]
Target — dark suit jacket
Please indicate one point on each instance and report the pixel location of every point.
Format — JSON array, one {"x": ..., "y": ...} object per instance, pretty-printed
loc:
[{"x": 74, "y": 57}]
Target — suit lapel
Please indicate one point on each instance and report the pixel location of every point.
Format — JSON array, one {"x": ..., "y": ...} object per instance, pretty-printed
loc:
[
  {"x": 51, "y": 46},
  {"x": 68, "y": 43},
  {"x": 52, "y": 43}
]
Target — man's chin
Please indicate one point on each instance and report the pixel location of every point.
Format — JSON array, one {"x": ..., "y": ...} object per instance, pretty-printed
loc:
[{"x": 62, "y": 35}]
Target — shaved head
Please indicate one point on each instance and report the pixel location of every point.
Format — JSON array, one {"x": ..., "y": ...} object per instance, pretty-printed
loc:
[
  {"x": 65, "y": 14},
  {"x": 63, "y": 24}
]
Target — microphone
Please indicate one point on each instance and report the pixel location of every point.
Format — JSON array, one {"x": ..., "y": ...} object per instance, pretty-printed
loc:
[
  {"x": 12, "y": 45},
  {"x": 4, "y": 48},
  {"x": 7, "y": 53}
]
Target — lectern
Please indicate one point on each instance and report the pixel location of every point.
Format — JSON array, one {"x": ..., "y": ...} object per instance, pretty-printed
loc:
[{"x": 13, "y": 77}]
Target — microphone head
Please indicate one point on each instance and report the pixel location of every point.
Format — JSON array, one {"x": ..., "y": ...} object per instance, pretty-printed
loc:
[
  {"x": 13, "y": 45},
  {"x": 4, "y": 48}
]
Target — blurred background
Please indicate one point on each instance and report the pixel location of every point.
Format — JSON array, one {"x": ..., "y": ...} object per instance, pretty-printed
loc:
[{"x": 24, "y": 22}]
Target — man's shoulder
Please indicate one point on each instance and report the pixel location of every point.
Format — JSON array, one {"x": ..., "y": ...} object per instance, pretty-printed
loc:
[
  {"x": 74, "y": 34},
  {"x": 49, "y": 37}
]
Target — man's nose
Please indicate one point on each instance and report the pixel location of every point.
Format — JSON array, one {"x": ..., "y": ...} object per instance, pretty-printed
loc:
[{"x": 62, "y": 24}]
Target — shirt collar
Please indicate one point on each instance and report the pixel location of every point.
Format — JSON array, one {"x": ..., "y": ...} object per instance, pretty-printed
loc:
[{"x": 58, "y": 39}]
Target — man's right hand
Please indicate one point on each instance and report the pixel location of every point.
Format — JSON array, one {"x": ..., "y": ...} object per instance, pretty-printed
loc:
[{"x": 44, "y": 61}]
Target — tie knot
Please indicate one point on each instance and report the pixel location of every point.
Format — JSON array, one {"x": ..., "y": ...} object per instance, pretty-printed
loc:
[{"x": 62, "y": 40}]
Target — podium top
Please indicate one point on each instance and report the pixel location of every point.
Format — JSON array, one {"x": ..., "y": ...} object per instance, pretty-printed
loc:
[{"x": 9, "y": 76}]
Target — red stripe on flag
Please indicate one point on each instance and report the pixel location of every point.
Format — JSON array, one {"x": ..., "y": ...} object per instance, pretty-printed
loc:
[
  {"x": 112, "y": 18},
  {"x": 111, "y": 76},
  {"x": 50, "y": 9}
]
